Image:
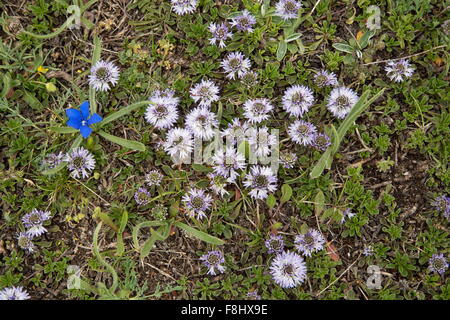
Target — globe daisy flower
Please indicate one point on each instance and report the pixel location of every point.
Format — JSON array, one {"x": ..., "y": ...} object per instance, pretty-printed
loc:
[
  {"x": 262, "y": 181},
  {"x": 159, "y": 212},
  {"x": 368, "y": 251},
  {"x": 226, "y": 163},
  {"x": 321, "y": 141},
  {"x": 103, "y": 75},
  {"x": 160, "y": 114},
  {"x": 275, "y": 244},
  {"x": 142, "y": 196},
  {"x": 288, "y": 159},
  {"x": 347, "y": 214},
  {"x": 442, "y": 204},
  {"x": 179, "y": 144},
  {"x": 288, "y": 269},
  {"x": 14, "y": 293},
  {"x": 235, "y": 64},
  {"x": 217, "y": 184},
  {"x": 153, "y": 178},
  {"x": 197, "y": 203},
  {"x": 167, "y": 95},
  {"x": 257, "y": 110},
  {"x": 205, "y": 93},
  {"x": 24, "y": 239},
  {"x": 244, "y": 22},
  {"x": 302, "y": 132},
  {"x": 341, "y": 101},
  {"x": 220, "y": 33},
  {"x": 287, "y": 9},
  {"x": 438, "y": 263},
  {"x": 202, "y": 122},
  {"x": 324, "y": 78},
  {"x": 261, "y": 141},
  {"x": 213, "y": 260},
  {"x": 80, "y": 163},
  {"x": 182, "y": 7},
  {"x": 399, "y": 70},
  {"x": 249, "y": 79},
  {"x": 253, "y": 295},
  {"x": 235, "y": 130},
  {"x": 52, "y": 160},
  {"x": 310, "y": 242},
  {"x": 297, "y": 100},
  {"x": 34, "y": 221}
]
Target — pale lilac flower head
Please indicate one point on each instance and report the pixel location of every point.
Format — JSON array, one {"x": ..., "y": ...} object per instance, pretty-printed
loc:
[
  {"x": 261, "y": 181},
  {"x": 310, "y": 242},
  {"x": 261, "y": 141},
  {"x": 288, "y": 159},
  {"x": 244, "y": 22},
  {"x": 24, "y": 239},
  {"x": 442, "y": 204},
  {"x": 438, "y": 263},
  {"x": 324, "y": 78},
  {"x": 197, "y": 203},
  {"x": 213, "y": 260},
  {"x": 220, "y": 33},
  {"x": 288, "y": 9},
  {"x": 253, "y": 295},
  {"x": 80, "y": 163},
  {"x": 321, "y": 141},
  {"x": 52, "y": 160},
  {"x": 167, "y": 96},
  {"x": 202, "y": 123},
  {"x": 257, "y": 110},
  {"x": 235, "y": 65},
  {"x": 161, "y": 113},
  {"x": 226, "y": 163},
  {"x": 142, "y": 196},
  {"x": 179, "y": 144},
  {"x": 288, "y": 269},
  {"x": 275, "y": 244},
  {"x": 205, "y": 93},
  {"x": 218, "y": 184},
  {"x": 302, "y": 132},
  {"x": 368, "y": 251},
  {"x": 297, "y": 100},
  {"x": 182, "y": 7},
  {"x": 399, "y": 70},
  {"x": 103, "y": 75},
  {"x": 341, "y": 101},
  {"x": 235, "y": 130},
  {"x": 14, "y": 293},
  {"x": 153, "y": 178},
  {"x": 347, "y": 214},
  {"x": 34, "y": 221}
]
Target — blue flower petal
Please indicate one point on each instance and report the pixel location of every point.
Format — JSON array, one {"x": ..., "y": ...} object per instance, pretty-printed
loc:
[
  {"x": 84, "y": 107},
  {"x": 94, "y": 119},
  {"x": 74, "y": 114},
  {"x": 74, "y": 123},
  {"x": 85, "y": 131}
]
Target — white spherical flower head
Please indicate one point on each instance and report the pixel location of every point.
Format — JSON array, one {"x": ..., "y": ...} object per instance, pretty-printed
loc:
[
  {"x": 235, "y": 65},
  {"x": 167, "y": 96},
  {"x": 261, "y": 181},
  {"x": 235, "y": 130},
  {"x": 341, "y": 101},
  {"x": 324, "y": 78},
  {"x": 80, "y": 163},
  {"x": 103, "y": 75},
  {"x": 205, "y": 93},
  {"x": 14, "y": 293},
  {"x": 25, "y": 241},
  {"x": 288, "y": 269},
  {"x": 244, "y": 22},
  {"x": 153, "y": 178},
  {"x": 160, "y": 114},
  {"x": 257, "y": 110},
  {"x": 182, "y": 7},
  {"x": 297, "y": 100},
  {"x": 201, "y": 122},
  {"x": 197, "y": 203},
  {"x": 302, "y": 132},
  {"x": 287, "y": 9},
  {"x": 179, "y": 144},
  {"x": 213, "y": 261},
  {"x": 227, "y": 163},
  {"x": 310, "y": 242},
  {"x": 220, "y": 33},
  {"x": 34, "y": 221},
  {"x": 218, "y": 184},
  {"x": 261, "y": 141},
  {"x": 399, "y": 70}
]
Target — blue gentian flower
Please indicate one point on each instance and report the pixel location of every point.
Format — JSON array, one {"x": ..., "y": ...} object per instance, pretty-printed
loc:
[{"x": 80, "y": 120}]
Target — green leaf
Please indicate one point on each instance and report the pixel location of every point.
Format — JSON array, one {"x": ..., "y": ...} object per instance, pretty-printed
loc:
[
  {"x": 286, "y": 193},
  {"x": 199, "y": 234},
  {"x": 271, "y": 201},
  {"x": 281, "y": 51},
  {"x": 201, "y": 168},
  {"x": 133, "y": 145},
  {"x": 319, "y": 203},
  {"x": 292, "y": 37},
  {"x": 343, "y": 47},
  {"x": 141, "y": 225},
  {"x": 122, "y": 112},
  {"x": 63, "y": 129}
]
